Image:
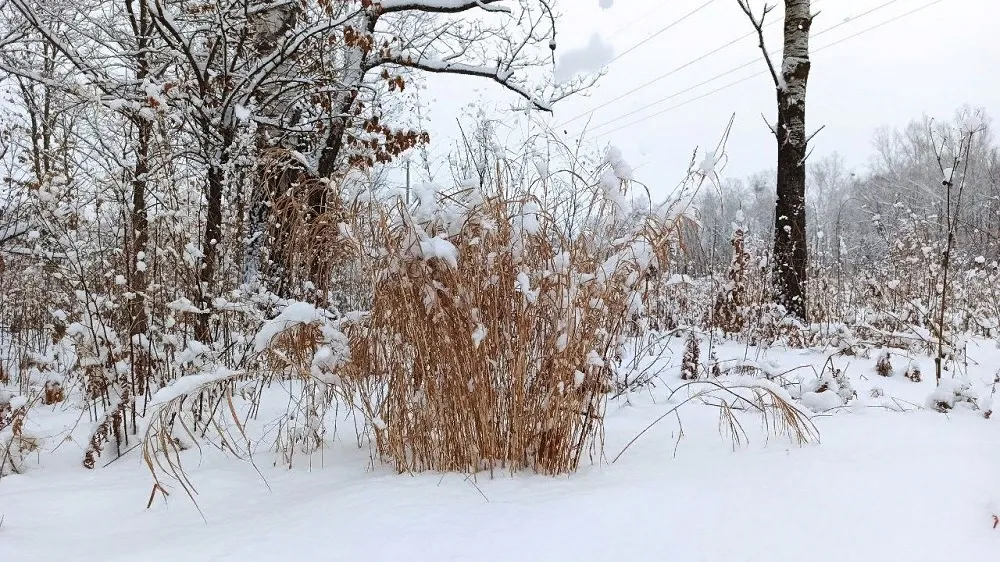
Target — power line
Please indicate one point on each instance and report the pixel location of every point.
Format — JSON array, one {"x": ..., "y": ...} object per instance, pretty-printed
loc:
[
  {"x": 731, "y": 84},
  {"x": 616, "y": 32},
  {"x": 660, "y": 77},
  {"x": 732, "y": 70},
  {"x": 671, "y": 72},
  {"x": 662, "y": 30}
]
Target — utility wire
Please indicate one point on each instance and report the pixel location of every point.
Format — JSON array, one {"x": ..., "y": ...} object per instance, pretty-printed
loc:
[
  {"x": 662, "y": 30},
  {"x": 837, "y": 42},
  {"x": 742, "y": 66},
  {"x": 672, "y": 71},
  {"x": 618, "y": 31},
  {"x": 739, "y": 67}
]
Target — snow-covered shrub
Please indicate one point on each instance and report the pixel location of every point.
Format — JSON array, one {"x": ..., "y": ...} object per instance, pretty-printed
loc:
[
  {"x": 679, "y": 301},
  {"x": 831, "y": 389},
  {"x": 883, "y": 366},
  {"x": 302, "y": 346},
  {"x": 775, "y": 325},
  {"x": 951, "y": 394}
]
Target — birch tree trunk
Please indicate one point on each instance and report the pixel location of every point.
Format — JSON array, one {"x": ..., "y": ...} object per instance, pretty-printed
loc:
[{"x": 790, "y": 252}]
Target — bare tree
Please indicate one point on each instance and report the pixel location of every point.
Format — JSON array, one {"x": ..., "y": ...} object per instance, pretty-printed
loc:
[{"x": 790, "y": 81}]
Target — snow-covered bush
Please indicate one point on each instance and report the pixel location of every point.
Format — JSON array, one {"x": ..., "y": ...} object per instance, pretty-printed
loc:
[
  {"x": 951, "y": 394},
  {"x": 831, "y": 389}
]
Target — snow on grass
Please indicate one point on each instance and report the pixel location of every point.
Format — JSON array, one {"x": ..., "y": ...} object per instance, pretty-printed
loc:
[
  {"x": 294, "y": 314},
  {"x": 438, "y": 247},
  {"x": 190, "y": 383}
]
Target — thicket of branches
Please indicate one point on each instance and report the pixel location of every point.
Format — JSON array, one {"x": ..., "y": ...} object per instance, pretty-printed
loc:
[{"x": 176, "y": 171}]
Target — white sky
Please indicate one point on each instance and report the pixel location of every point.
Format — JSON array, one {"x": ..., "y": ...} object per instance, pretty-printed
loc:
[{"x": 931, "y": 61}]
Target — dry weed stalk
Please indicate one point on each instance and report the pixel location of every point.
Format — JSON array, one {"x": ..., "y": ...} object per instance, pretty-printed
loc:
[
  {"x": 692, "y": 357},
  {"x": 731, "y": 305}
]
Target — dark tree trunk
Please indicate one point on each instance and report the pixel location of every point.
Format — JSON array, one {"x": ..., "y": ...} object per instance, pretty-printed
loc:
[
  {"x": 213, "y": 230},
  {"x": 790, "y": 249},
  {"x": 138, "y": 324}
]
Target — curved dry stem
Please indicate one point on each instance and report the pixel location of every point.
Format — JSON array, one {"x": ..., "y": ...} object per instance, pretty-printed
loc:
[{"x": 778, "y": 414}]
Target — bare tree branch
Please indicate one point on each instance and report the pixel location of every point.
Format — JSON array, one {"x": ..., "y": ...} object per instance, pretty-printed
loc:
[
  {"x": 498, "y": 75},
  {"x": 758, "y": 25}
]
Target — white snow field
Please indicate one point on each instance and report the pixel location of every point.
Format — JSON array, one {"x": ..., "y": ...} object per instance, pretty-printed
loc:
[{"x": 890, "y": 480}]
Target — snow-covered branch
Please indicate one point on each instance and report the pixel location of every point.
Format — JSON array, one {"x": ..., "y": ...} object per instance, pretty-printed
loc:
[
  {"x": 499, "y": 75},
  {"x": 443, "y": 6}
]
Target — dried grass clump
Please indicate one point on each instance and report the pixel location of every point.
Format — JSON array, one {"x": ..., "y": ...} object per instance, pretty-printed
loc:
[
  {"x": 308, "y": 237},
  {"x": 492, "y": 337}
]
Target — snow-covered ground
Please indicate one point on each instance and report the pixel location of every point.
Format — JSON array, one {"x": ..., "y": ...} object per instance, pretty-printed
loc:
[{"x": 888, "y": 481}]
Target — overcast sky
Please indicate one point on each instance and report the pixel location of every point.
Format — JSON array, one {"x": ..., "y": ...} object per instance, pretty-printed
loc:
[{"x": 931, "y": 61}]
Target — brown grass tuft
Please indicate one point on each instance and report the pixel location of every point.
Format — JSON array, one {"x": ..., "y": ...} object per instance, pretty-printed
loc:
[{"x": 503, "y": 357}]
